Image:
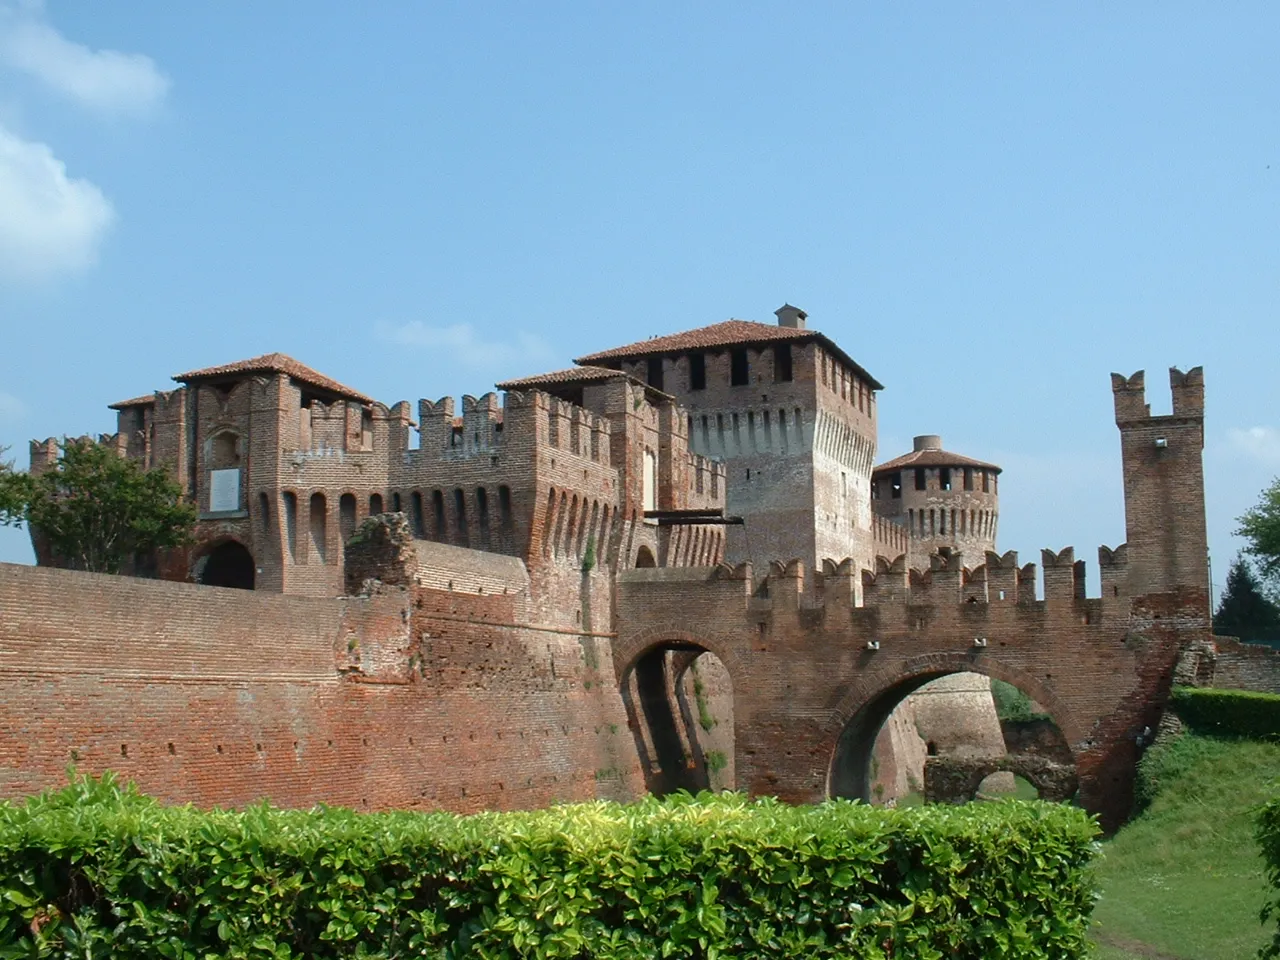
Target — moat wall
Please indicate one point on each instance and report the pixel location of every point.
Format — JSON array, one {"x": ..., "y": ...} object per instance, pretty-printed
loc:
[{"x": 409, "y": 698}]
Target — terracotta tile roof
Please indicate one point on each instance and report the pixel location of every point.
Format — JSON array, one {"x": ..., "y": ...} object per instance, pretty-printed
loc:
[
  {"x": 135, "y": 402},
  {"x": 934, "y": 458},
  {"x": 584, "y": 374},
  {"x": 273, "y": 363},
  {"x": 725, "y": 334},
  {"x": 577, "y": 376}
]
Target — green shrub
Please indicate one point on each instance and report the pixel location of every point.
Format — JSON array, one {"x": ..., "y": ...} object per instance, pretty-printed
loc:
[
  {"x": 1268, "y": 836},
  {"x": 1228, "y": 713},
  {"x": 1012, "y": 704},
  {"x": 97, "y": 870}
]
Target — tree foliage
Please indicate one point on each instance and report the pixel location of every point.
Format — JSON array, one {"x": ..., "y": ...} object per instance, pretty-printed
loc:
[
  {"x": 1244, "y": 610},
  {"x": 98, "y": 510},
  {"x": 1260, "y": 526},
  {"x": 14, "y": 492}
]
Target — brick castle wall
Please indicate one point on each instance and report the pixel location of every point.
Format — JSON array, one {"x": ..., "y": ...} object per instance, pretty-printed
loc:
[{"x": 219, "y": 696}]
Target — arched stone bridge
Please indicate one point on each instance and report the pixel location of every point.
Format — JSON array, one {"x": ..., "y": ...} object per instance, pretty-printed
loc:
[{"x": 814, "y": 676}]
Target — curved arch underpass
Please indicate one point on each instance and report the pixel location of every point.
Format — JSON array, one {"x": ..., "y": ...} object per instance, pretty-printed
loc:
[
  {"x": 852, "y": 773},
  {"x": 679, "y": 702}
]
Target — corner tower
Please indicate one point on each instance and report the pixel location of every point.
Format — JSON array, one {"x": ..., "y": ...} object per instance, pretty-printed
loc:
[
  {"x": 944, "y": 501},
  {"x": 1163, "y": 484}
]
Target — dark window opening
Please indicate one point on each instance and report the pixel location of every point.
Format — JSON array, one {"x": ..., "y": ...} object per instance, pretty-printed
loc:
[
  {"x": 395, "y": 503},
  {"x": 944, "y": 478},
  {"x": 264, "y": 513},
  {"x": 697, "y": 371},
  {"x": 895, "y": 486},
  {"x": 968, "y": 478},
  {"x": 920, "y": 484},
  {"x": 504, "y": 504},
  {"x": 782, "y": 363},
  {"x": 655, "y": 373},
  {"x": 346, "y": 516},
  {"x": 986, "y": 482},
  {"x": 419, "y": 522},
  {"x": 739, "y": 368},
  {"x": 460, "y": 505},
  {"x": 437, "y": 515},
  {"x": 375, "y": 504},
  {"x": 482, "y": 514},
  {"x": 875, "y": 488}
]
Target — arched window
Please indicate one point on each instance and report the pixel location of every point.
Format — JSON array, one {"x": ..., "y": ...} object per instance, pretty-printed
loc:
[
  {"x": 375, "y": 504},
  {"x": 644, "y": 558},
  {"x": 319, "y": 523},
  {"x": 347, "y": 516},
  {"x": 460, "y": 506},
  {"x": 291, "y": 524}
]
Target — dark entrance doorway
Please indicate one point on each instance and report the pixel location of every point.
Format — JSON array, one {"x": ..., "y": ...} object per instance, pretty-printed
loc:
[{"x": 228, "y": 565}]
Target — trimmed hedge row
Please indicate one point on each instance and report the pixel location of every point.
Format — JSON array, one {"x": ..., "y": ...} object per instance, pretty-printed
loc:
[
  {"x": 96, "y": 870},
  {"x": 1228, "y": 713}
]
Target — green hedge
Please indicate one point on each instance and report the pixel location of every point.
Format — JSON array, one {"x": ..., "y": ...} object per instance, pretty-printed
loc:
[
  {"x": 94, "y": 870},
  {"x": 1228, "y": 713}
]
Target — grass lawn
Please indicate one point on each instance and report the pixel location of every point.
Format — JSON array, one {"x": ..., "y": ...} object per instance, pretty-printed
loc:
[{"x": 1183, "y": 881}]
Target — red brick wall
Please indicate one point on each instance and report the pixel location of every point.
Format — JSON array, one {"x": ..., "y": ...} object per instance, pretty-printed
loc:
[{"x": 223, "y": 696}]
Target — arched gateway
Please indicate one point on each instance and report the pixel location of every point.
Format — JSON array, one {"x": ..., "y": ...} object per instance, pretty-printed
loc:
[{"x": 228, "y": 564}]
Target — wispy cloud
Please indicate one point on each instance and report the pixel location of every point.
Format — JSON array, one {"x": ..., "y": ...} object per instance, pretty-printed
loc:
[
  {"x": 107, "y": 81},
  {"x": 460, "y": 344},
  {"x": 11, "y": 408},
  {"x": 50, "y": 223},
  {"x": 1256, "y": 443}
]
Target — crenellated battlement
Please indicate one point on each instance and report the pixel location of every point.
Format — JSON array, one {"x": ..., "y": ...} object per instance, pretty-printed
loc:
[{"x": 1131, "y": 401}]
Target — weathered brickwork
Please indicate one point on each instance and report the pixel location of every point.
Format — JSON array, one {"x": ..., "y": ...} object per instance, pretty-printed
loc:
[{"x": 502, "y": 616}]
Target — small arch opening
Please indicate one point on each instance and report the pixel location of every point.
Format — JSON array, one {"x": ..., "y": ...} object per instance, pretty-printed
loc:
[{"x": 229, "y": 564}]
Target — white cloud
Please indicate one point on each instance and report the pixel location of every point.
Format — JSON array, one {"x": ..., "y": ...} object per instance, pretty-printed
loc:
[
  {"x": 11, "y": 408},
  {"x": 460, "y": 344},
  {"x": 1257, "y": 443},
  {"x": 50, "y": 223},
  {"x": 108, "y": 81}
]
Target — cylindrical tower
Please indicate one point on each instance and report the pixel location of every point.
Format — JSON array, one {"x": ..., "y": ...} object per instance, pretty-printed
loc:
[{"x": 944, "y": 500}]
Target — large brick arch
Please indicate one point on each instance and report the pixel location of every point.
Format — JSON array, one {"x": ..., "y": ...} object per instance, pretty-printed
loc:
[{"x": 849, "y": 735}]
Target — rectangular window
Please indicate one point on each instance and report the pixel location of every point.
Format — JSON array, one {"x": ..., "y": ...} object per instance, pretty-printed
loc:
[
  {"x": 697, "y": 371},
  {"x": 895, "y": 486},
  {"x": 944, "y": 478},
  {"x": 875, "y": 489},
  {"x": 739, "y": 369},
  {"x": 655, "y": 373},
  {"x": 782, "y": 363},
  {"x": 968, "y": 478},
  {"x": 920, "y": 484},
  {"x": 986, "y": 482}
]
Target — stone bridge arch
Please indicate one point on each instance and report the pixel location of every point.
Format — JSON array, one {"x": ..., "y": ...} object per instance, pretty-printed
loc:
[
  {"x": 675, "y": 730},
  {"x": 849, "y": 736}
]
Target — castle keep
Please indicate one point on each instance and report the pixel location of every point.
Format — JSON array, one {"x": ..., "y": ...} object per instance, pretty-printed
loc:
[{"x": 549, "y": 596}]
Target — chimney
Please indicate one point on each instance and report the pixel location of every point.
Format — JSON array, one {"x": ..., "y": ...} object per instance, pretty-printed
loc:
[
  {"x": 789, "y": 316},
  {"x": 928, "y": 441}
]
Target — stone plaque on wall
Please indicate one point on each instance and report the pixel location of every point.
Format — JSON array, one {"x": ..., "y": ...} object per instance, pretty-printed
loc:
[{"x": 224, "y": 490}]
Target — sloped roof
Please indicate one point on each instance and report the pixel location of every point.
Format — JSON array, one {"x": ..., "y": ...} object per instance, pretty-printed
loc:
[
  {"x": 135, "y": 402},
  {"x": 273, "y": 363},
  {"x": 934, "y": 457},
  {"x": 585, "y": 374},
  {"x": 727, "y": 333},
  {"x": 575, "y": 377}
]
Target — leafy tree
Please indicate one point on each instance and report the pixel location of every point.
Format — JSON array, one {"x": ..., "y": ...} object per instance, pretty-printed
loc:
[
  {"x": 1260, "y": 526},
  {"x": 1244, "y": 610},
  {"x": 97, "y": 509},
  {"x": 14, "y": 492}
]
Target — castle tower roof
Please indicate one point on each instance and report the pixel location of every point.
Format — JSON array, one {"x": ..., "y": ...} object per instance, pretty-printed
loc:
[
  {"x": 273, "y": 363},
  {"x": 142, "y": 401},
  {"x": 928, "y": 452},
  {"x": 727, "y": 333}
]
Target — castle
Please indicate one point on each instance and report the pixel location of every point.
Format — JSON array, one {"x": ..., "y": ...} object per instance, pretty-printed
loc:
[{"x": 671, "y": 563}]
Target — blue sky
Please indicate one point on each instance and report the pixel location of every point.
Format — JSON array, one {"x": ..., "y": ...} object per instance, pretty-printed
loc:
[{"x": 990, "y": 206}]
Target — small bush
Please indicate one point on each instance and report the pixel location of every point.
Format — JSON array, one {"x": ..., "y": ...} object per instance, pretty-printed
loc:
[
  {"x": 1228, "y": 713},
  {"x": 1012, "y": 704},
  {"x": 96, "y": 870}
]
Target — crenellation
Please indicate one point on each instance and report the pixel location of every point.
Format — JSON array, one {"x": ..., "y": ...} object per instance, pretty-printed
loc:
[
  {"x": 1026, "y": 591},
  {"x": 1130, "y": 397},
  {"x": 1064, "y": 576},
  {"x": 1188, "y": 392}
]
